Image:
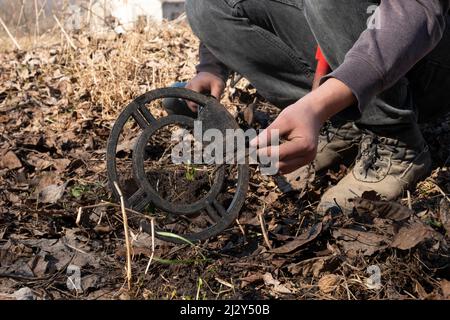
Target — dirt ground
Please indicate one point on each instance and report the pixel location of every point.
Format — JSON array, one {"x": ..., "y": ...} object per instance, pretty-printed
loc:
[{"x": 57, "y": 107}]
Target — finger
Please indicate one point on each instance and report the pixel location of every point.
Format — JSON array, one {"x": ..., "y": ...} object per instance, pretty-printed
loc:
[
  {"x": 216, "y": 91},
  {"x": 192, "y": 105},
  {"x": 286, "y": 167},
  {"x": 276, "y": 130},
  {"x": 289, "y": 150}
]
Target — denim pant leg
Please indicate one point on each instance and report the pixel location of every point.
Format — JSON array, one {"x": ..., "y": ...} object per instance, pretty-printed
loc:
[{"x": 267, "y": 41}]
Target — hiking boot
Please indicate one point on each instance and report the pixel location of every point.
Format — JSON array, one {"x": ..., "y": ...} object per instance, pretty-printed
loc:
[
  {"x": 175, "y": 106},
  {"x": 388, "y": 164},
  {"x": 338, "y": 144}
]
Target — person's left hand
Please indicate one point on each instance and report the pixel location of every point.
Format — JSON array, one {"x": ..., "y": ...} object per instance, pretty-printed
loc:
[{"x": 205, "y": 82}]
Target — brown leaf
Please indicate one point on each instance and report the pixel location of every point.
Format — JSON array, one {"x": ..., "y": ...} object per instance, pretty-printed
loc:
[
  {"x": 271, "y": 198},
  {"x": 249, "y": 113},
  {"x": 444, "y": 214},
  {"x": 301, "y": 240},
  {"x": 356, "y": 242},
  {"x": 420, "y": 291},
  {"x": 46, "y": 179},
  {"x": 251, "y": 279},
  {"x": 13, "y": 198},
  {"x": 297, "y": 180},
  {"x": 371, "y": 195},
  {"x": 39, "y": 161},
  {"x": 314, "y": 266},
  {"x": 4, "y": 119},
  {"x": 52, "y": 193},
  {"x": 40, "y": 266},
  {"x": 382, "y": 209},
  {"x": 318, "y": 267},
  {"x": 412, "y": 234},
  {"x": 102, "y": 229},
  {"x": 445, "y": 286},
  {"x": 329, "y": 283},
  {"x": 61, "y": 164},
  {"x": 4, "y": 297},
  {"x": 277, "y": 286},
  {"x": 127, "y": 145},
  {"x": 10, "y": 161},
  {"x": 278, "y": 263},
  {"x": 65, "y": 87}
]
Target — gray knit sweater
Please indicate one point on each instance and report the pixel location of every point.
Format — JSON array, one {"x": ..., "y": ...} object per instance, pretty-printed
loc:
[{"x": 408, "y": 31}]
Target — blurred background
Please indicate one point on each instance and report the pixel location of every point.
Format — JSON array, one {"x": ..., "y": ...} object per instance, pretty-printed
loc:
[{"x": 25, "y": 18}]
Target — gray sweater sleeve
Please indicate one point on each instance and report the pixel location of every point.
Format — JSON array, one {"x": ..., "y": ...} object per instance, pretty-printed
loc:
[
  {"x": 209, "y": 63},
  {"x": 406, "y": 32}
]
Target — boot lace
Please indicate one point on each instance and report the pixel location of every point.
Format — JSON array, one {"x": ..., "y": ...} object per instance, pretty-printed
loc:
[
  {"x": 369, "y": 154},
  {"x": 327, "y": 131}
]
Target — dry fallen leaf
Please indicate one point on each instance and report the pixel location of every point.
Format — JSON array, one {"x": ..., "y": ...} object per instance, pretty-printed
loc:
[
  {"x": 52, "y": 193},
  {"x": 39, "y": 161},
  {"x": 329, "y": 283},
  {"x": 312, "y": 267},
  {"x": 301, "y": 240},
  {"x": 45, "y": 179},
  {"x": 251, "y": 279},
  {"x": 382, "y": 209},
  {"x": 271, "y": 198},
  {"x": 297, "y": 180},
  {"x": 127, "y": 145},
  {"x": 355, "y": 242},
  {"x": 444, "y": 214},
  {"x": 445, "y": 286},
  {"x": 249, "y": 112},
  {"x": 277, "y": 286},
  {"x": 411, "y": 235},
  {"x": 61, "y": 164},
  {"x": 10, "y": 161}
]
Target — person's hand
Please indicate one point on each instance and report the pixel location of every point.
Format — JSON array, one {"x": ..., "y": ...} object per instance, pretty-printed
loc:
[
  {"x": 208, "y": 83},
  {"x": 299, "y": 125}
]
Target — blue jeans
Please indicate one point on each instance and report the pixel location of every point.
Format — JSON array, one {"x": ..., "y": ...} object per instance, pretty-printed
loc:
[{"x": 273, "y": 43}]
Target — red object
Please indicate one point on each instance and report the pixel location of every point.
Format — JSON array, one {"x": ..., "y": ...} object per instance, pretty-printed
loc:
[{"x": 323, "y": 68}]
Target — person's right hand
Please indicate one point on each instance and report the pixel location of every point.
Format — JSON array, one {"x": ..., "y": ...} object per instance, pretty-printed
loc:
[
  {"x": 300, "y": 123},
  {"x": 207, "y": 83}
]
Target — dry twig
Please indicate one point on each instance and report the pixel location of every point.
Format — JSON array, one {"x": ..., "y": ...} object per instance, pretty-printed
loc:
[
  {"x": 10, "y": 35},
  {"x": 74, "y": 47},
  {"x": 152, "y": 223},
  {"x": 127, "y": 234},
  {"x": 262, "y": 222}
]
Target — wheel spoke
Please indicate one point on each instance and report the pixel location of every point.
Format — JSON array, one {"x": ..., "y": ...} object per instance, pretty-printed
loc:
[
  {"x": 139, "y": 200},
  {"x": 147, "y": 114},
  {"x": 143, "y": 117},
  {"x": 216, "y": 211},
  {"x": 222, "y": 211},
  {"x": 212, "y": 213}
]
